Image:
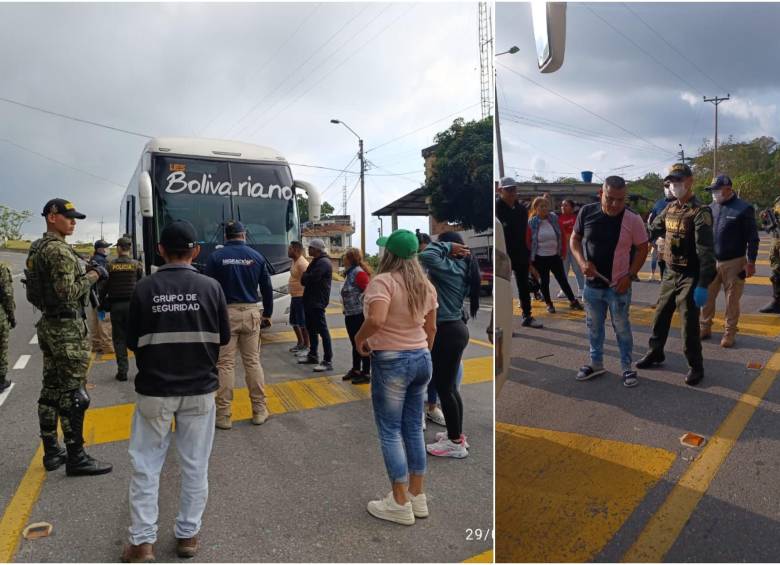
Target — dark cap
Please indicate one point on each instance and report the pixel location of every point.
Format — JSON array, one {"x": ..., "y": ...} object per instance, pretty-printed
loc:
[
  {"x": 102, "y": 244},
  {"x": 719, "y": 182},
  {"x": 234, "y": 228},
  {"x": 178, "y": 236},
  {"x": 62, "y": 206},
  {"x": 124, "y": 242},
  {"x": 678, "y": 171},
  {"x": 507, "y": 182}
]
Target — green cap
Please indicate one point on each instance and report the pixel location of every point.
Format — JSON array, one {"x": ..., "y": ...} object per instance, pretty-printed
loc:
[{"x": 401, "y": 242}]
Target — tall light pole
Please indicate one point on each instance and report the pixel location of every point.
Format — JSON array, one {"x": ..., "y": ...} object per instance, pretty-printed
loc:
[
  {"x": 717, "y": 102},
  {"x": 499, "y": 150},
  {"x": 362, "y": 186}
]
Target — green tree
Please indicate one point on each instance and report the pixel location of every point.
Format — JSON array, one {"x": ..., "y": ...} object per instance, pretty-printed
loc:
[
  {"x": 11, "y": 222},
  {"x": 460, "y": 184},
  {"x": 303, "y": 208},
  {"x": 567, "y": 180},
  {"x": 326, "y": 209}
]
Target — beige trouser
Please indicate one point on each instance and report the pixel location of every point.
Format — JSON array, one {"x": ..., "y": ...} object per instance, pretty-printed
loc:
[
  {"x": 727, "y": 277},
  {"x": 244, "y": 336},
  {"x": 100, "y": 332}
]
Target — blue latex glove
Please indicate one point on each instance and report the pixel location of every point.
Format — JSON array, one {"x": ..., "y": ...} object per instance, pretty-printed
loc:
[{"x": 700, "y": 296}]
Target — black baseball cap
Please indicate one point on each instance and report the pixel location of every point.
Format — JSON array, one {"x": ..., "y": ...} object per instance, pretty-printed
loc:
[
  {"x": 719, "y": 182},
  {"x": 678, "y": 171},
  {"x": 62, "y": 206},
  {"x": 178, "y": 236},
  {"x": 102, "y": 244},
  {"x": 234, "y": 228}
]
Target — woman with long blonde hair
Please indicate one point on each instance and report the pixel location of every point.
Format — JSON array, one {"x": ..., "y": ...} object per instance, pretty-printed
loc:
[
  {"x": 356, "y": 278},
  {"x": 400, "y": 326}
]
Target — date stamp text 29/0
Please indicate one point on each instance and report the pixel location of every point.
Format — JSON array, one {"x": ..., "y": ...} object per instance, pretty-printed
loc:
[{"x": 479, "y": 534}]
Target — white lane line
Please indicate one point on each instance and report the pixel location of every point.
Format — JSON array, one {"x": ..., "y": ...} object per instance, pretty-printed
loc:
[
  {"x": 34, "y": 340},
  {"x": 22, "y": 362},
  {"x": 6, "y": 393}
]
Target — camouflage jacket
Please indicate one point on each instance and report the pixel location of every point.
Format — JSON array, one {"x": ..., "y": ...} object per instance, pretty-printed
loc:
[
  {"x": 66, "y": 284},
  {"x": 688, "y": 239},
  {"x": 7, "y": 305}
]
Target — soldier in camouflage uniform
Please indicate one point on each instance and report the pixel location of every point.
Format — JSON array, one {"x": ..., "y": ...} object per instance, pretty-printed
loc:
[
  {"x": 689, "y": 252},
  {"x": 7, "y": 321},
  {"x": 58, "y": 286},
  {"x": 774, "y": 256}
]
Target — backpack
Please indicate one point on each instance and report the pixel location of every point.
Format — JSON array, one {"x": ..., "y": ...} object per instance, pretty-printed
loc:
[{"x": 34, "y": 278}]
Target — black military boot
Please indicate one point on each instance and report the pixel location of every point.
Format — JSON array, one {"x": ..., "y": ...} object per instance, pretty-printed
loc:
[
  {"x": 771, "y": 308},
  {"x": 650, "y": 359},
  {"x": 53, "y": 453},
  {"x": 694, "y": 376},
  {"x": 79, "y": 463}
]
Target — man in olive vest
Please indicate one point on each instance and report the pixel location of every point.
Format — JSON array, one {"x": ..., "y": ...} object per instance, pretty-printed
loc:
[
  {"x": 58, "y": 286},
  {"x": 771, "y": 220},
  {"x": 689, "y": 252},
  {"x": 123, "y": 273},
  {"x": 7, "y": 321}
]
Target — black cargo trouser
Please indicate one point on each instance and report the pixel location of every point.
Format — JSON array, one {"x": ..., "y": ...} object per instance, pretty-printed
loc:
[
  {"x": 318, "y": 326},
  {"x": 677, "y": 292},
  {"x": 523, "y": 292},
  {"x": 119, "y": 315}
]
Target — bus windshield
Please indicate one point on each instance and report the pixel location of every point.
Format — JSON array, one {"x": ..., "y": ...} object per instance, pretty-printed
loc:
[{"x": 208, "y": 192}]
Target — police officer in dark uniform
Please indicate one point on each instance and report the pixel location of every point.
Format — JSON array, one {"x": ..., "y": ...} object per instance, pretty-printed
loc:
[
  {"x": 123, "y": 273},
  {"x": 99, "y": 327},
  {"x": 689, "y": 253}
]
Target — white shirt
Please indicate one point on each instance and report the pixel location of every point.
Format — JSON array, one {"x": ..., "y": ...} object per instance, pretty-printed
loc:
[{"x": 546, "y": 239}]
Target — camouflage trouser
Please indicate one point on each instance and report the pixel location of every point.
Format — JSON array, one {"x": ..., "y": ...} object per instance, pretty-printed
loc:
[
  {"x": 65, "y": 350},
  {"x": 5, "y": 329},
  {"x": 774, "y": 262}
]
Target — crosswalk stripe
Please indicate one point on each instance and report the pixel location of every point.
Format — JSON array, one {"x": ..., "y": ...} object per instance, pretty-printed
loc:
[
  {"x": 34, "y": 340},
  {"x": 21, "y": 363},
  {"x": 5, "y": 394}
]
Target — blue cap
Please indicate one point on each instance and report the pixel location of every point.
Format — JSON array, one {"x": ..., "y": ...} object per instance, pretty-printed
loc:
[
  {"x": 234, "y": 228},
  {"x": 719, "y": 182}
]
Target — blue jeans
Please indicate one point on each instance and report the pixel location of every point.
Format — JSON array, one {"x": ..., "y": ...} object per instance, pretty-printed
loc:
[
  {"x": 597, "y": 302},
  {"x": 398, "y": 383},
  {"x": 149, "y": 440},
  {"x": 570, "y": 261},
  {"x": 433, "y": 398}
]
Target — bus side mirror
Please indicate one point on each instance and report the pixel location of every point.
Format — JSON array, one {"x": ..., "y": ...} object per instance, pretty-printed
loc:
[
  {"x": 313, "y": 200},
  {"x": 549, "y": 22},
  {"x": 145, "y": 195}
]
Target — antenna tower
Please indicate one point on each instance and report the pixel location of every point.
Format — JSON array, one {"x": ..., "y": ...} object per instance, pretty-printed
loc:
[{"x": 486, "y": 59}]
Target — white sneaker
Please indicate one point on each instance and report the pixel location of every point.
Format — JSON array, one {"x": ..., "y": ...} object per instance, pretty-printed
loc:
[
  {"x": 560, "y": 294},
  {"x": 435, "y": 415},
  {"x": 447, "y": 448},
  {"x": 443, "y": 435},
  {"x": 302, "y": 353},
  {"x": 419, "y": 504},
  {"x": 388, "y": 509}
]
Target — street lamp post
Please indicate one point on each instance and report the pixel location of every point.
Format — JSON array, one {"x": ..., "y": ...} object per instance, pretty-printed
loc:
[
  {"x": 362, "y": 186},
  {"x": 499, "y": 150}
]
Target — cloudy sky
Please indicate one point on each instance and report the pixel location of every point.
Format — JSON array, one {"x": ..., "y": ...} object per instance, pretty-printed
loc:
[
  {"x": 272, "y": 74},
  {"x": 634, "y": 76}
]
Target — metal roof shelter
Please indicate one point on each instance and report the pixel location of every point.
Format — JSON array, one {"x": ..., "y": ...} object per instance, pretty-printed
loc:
[{"x": 413, "y": 204}]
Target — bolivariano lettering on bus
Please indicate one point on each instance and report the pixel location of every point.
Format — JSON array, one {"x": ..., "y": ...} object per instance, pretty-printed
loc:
[{"x": 205, "y": 185}]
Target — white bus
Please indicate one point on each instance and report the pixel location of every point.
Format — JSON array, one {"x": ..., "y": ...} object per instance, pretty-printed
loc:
[{"x": 208, "y": 182}]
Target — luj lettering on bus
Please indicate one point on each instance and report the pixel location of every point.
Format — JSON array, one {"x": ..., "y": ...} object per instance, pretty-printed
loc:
[{"x": 204, "y": 185}]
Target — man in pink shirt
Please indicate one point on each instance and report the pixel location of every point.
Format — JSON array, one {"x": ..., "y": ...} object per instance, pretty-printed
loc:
[{"x": 610, "y": 244}]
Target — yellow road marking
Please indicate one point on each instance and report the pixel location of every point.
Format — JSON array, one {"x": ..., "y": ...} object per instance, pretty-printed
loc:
[
  {"x": 112, "y": 423},
  {"x": 665, "y": 526},
  {"x": 754, "y": 280},
  {"x": 19, "y": 509},
  {"x": 484, "y": 557},
  {"x": 749, "y": 324},
  {"x": 562, "y": 496}
]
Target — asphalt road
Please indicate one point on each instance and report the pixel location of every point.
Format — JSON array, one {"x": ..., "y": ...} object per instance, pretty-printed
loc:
[
  {"x": 294, "y": 489},
  {"x": 593, "y": 471}
]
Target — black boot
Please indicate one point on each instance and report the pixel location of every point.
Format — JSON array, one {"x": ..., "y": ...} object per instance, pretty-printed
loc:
[
  {"x": 79, "y": 463},
  {"x": 694, "y": 376},
  {"x": 650, "y": 359},
  {"x": 53, "y": 453},
  {"x": 771, "y": 308}
]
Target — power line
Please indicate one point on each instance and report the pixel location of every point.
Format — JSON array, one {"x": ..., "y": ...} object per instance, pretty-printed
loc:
[
  {"x": 407, "y": 134},
  {"x": 27, "y": 149},
  {"x": 580, "y": 106},
  {"x": 315, "y": 52},
  {"x": 680, "y": 53},
  {"x": 338, "y": 176},
  {"x": 334, "y": 69},
  {"x": 265, "y": 64},
  {"x": 635, "y": 44},
  {"x": 75, "y": 119}
]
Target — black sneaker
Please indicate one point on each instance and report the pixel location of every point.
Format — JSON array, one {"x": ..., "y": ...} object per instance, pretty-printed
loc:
[
  {"x": 551, "y": 308},
  {"x": 308, "y": 360},
  {"x": 121, "y": 377},
  {"x": 694, "y": 377},
  {"x": 575, "y": 305},
  {"x": 531, "y": 322},
  {"x": 630, "y": 379},
  {"x": 4, "y": 384},
  {"x": 650, "y": 359},
  {"x": 352, "y": 374},
  {"x": 361, "y": 379}
]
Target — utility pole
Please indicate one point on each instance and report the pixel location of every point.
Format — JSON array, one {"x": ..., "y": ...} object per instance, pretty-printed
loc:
[
  {"x": 682, "y": 154},
  {"x": 511, "y": 51},
  {"x": 717, "y": 102},
  {"x": 485, "y": 57},
  {"x": 362, "y": 200},
  {"x": 344, "y": 197},
  {"x": 101, "y": 227}
]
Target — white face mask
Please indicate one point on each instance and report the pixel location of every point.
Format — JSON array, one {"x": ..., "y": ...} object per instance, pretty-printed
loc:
[
  {"x": 717, "y": 196},
  {"x": 668, "y": 192},
  {"x": 678, "y": 189}
]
